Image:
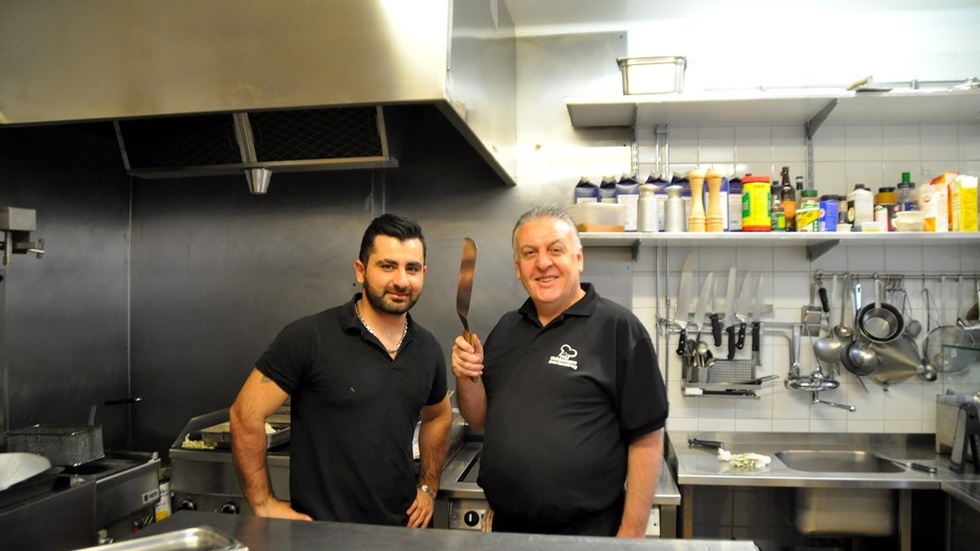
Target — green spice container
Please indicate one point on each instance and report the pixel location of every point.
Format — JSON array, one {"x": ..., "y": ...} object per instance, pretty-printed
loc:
[{"x": 808, "y": 213}]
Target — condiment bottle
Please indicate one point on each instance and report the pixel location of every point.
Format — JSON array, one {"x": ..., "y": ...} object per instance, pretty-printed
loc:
[
  {"x": 807, "y": 216},
  {"x": 860, "y": 206},
  {"x": 735, "y": 204},
  {"x": 646, "y": 209},
  {"x": 756, "y": 213},
  {"x": 674, "y": 211},
  {"x": 886, "y": 196},
  {"x": 777, "y": 218},
  {"x": 787, "y": 199}
]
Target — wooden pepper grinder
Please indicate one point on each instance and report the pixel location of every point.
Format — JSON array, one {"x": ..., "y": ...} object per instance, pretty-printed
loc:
[
  {"x": 695, "y": 221},
  {"x": 713, "y": 220}
]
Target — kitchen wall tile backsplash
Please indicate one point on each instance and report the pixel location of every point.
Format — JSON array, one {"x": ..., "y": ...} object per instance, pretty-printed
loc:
[{"x": 875, "y": 155}]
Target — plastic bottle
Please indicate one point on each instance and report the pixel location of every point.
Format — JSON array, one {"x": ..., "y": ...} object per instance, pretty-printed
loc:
[
  {"x": 674, "y": 211},
  {"x": 734, "y": 204},
  {"x": 905, "y": 194},
  {"x": 886, "y": 195},
  {"x": 787, "y": 199},
  {"x": 777, "y": 218},
  {"x": 860, "y": 206},
  {"x": 646, "y": 209},
  {"x": 808, "y": 215},
  {"x": 756, "y": 204},
  {"x": 828, "y": 213}
]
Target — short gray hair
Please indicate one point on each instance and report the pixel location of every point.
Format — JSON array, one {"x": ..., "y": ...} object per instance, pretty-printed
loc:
[{"x": 544, "y": 212}]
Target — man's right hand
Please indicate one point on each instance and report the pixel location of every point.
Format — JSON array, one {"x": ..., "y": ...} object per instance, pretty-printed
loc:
[
  {"x": 467, "y": 358},
  {"x": 275, "y": 508}
]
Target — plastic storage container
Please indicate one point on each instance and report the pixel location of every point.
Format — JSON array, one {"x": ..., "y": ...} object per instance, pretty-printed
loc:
[{"x": 598, "y": 217}]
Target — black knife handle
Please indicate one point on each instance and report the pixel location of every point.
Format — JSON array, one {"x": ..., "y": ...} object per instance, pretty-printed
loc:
[
  {"x": 682, "y": 343},
  {"x": 716, "y": 328},
  {"x": 741, "y": 336},
  {"x": 824, "y": 301},
  {"x": 756, "y": 329},
  {"x": 732, "y": 343}
]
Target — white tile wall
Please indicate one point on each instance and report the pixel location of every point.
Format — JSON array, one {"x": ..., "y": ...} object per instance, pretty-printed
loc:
[{"x": 843, "y": 156}]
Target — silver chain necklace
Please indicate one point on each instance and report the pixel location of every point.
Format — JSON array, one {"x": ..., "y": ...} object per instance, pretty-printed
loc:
[{"x": 390, "y": 351}]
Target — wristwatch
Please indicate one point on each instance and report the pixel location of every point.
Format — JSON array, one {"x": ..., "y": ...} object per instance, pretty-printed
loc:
[{"x": 428, "y": 490}]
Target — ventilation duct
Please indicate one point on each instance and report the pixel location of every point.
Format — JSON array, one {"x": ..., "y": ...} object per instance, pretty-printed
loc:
[{"x": 256, "y": 143}]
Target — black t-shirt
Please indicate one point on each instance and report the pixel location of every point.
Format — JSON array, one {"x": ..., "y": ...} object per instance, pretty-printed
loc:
[
  {"x": 563, "y": 404},
  {"x": 354, "y": 412}
]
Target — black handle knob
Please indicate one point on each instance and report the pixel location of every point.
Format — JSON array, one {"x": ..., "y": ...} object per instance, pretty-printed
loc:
[
  {"x": 716, "y": 328},
  {"x": 732, "y": 342},
  {"x": 471, "y": 518},
  {"x": 229, "y": 508},
  {"x": 824, "y": 301},
  {"x": 186, "y": 505}
]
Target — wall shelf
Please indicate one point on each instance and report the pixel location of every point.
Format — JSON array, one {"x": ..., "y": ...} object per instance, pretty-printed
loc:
[
  {"x": 816, "y": 243},
  {"x": 832, "y": 106}
]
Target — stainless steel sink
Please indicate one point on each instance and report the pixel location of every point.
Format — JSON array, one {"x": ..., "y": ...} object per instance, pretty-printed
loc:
[{"x": 849, "y": 461}]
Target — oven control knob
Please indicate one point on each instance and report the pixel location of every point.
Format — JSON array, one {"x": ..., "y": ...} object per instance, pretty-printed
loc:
[
  {"x": 471, "y": 518},
  {"x": 229, "y": 508},
  {"x": 186, "y": 505}
]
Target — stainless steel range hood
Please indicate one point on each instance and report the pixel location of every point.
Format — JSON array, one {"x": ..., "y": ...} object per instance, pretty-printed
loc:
[{"x": 253, "y": 86}]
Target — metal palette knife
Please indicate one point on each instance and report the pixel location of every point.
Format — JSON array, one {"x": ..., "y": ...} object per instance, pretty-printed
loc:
[{"x": 464, "y": 291}]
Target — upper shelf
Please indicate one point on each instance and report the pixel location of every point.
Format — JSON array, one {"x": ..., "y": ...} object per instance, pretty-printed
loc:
[
  {"x": 816, "y": 243},
  {"x": 778, "y": 107}
]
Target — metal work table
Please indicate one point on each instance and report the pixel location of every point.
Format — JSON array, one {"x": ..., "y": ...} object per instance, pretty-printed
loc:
[{"x": 261, "y": 534}]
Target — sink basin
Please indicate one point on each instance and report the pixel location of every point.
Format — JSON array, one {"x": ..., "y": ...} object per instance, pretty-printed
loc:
[{"x": 850, "y": 461}]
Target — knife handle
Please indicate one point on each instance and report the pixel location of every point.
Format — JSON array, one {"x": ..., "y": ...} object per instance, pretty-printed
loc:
[
  {"x": 682, "y": 343},
  {"x": 716, "y": 328},
  {"x": 741, "y": 336},
  {"x": 468, "y": 337},
  {"x": 732, "y": 342},
  {"x": 824, "y": 301},
  {"x": 756, "y": 328}
]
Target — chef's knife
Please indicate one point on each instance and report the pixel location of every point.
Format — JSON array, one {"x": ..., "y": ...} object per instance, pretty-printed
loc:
[
  {"x": 464, "y": 291},
  {"x": 703, "y": 302},
  {"x": 684, "y": 302},
  {"x": 729, "y": 321},
  {"x": 742, "y": 310},
  {"x": 717, "y": 321},
  {"x": 756, "y": 323}
]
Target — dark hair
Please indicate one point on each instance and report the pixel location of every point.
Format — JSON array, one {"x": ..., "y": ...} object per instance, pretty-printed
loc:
[
  {"x": 544, "y": 212},
  {"x": 392, "y": 225}
]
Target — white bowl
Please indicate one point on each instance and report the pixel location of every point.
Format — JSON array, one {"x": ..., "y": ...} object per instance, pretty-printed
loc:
[{"x": 911, "y": 220}]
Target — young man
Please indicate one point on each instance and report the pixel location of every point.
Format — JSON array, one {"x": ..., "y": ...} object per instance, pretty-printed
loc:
[
  {"x": 359, "y": 376},
  {"x": 569, "y": 395}
]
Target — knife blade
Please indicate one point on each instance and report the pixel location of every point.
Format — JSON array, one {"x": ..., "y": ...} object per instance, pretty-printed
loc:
[
  {"x": 742, "y": 310},
  {"x": 703, "y": 302},
  {"x": 684, "y": 302},
  {"x": 756, "y": 323},
  {"x": 464, "y": 291},
  {"x": 717, "y": 321}
]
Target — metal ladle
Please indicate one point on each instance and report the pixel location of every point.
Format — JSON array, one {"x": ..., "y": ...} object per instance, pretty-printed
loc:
[
  {"x": 859, "y": 351},
  {"x": 828, "y": 349}
]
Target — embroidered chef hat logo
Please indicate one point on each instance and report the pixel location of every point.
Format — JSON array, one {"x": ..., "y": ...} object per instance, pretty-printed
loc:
[{"x": 564, "y": 357}]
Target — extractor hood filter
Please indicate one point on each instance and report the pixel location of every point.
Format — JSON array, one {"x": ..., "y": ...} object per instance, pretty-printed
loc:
[{"x": 285, "y": 140}]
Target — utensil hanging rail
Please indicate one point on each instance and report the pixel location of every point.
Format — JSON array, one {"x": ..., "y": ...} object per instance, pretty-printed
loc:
[{"x": 958, "y": 276}]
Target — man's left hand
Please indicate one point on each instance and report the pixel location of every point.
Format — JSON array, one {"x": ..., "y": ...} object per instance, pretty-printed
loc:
[{"x": 420, "y": 513}]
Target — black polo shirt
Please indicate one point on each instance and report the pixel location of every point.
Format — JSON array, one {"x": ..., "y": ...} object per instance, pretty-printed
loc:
[
  {"x": 354, "y": 412},
  {"x": 563, "y": 403}
]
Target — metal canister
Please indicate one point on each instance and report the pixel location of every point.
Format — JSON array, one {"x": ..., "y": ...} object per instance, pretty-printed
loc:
[{"x": 756, "y": 197}]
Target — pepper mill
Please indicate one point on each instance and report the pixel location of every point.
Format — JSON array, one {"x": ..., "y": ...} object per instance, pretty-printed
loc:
[
  {"x": 696, "y": 219},
  {"x": 713, "y": 220}
]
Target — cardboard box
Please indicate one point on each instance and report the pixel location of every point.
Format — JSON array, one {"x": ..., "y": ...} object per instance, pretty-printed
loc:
[{"x": 963, "y": 203}]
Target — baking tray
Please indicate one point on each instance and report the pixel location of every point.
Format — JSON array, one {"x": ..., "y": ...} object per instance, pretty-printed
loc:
[
  {"x": 200, "y": 538},
  {"x": 220, "y": 435}
]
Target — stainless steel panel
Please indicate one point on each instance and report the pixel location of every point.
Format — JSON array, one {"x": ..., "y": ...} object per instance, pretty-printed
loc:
[{"x": 126, "y": 59}]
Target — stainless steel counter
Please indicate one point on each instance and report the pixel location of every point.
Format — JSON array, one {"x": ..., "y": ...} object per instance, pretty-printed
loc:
[
  {"x": 261, "y": 534},
  {"x": 700, "y": 466}
]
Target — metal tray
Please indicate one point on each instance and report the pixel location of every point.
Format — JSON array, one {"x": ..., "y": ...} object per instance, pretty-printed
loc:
[
  {"x": 200, "y": 538},
  {"x": 220, "y": 435}
]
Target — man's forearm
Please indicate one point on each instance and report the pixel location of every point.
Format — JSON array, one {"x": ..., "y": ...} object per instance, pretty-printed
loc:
[
  {"x": 433, "y": 444},
  {"x": 643, "y": 472},
  {"x": 249, "y": 456}
]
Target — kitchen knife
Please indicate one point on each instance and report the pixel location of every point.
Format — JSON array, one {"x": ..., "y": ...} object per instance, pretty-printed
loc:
[
  {"x": 756, "y": 324},
  {"x": 729, "y": 321},
  {"x": 703, "y": 302},
  {"x": 717, "y": 321},
  {"x": 464, "y": 291},
  {"x": 742, "y": 310},
  {"x": 684, "y": 302}
]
